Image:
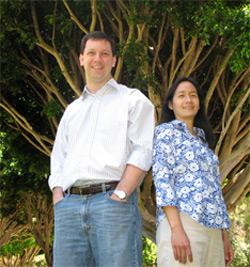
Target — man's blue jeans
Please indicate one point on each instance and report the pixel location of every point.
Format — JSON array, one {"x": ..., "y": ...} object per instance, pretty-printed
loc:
[{"x": 94, "y": 230}]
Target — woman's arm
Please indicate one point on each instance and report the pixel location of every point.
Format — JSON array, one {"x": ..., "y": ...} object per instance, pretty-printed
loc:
[
  {"x": 179, "y": 239},
  {"x": 228, "y": 250},
  {"x": 166, "y": 199}
]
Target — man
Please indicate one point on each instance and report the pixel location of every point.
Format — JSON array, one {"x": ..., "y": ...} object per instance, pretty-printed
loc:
[{"x": 101, "y": 153}]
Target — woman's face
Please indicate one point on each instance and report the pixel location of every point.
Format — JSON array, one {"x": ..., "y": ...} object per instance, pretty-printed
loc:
[{"x": 185, "y": 103}]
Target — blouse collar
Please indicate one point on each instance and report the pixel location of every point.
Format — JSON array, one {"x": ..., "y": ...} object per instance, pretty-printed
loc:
[{"x": 183, "y": 127}]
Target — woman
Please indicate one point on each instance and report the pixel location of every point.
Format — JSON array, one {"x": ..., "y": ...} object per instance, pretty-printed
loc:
[{"x": 192, "y": 221}]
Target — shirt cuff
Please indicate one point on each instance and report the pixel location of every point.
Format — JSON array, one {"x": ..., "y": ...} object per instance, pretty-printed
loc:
[
  {"x": 54, "y": 181},
  {"x": 141, "y": 159}
]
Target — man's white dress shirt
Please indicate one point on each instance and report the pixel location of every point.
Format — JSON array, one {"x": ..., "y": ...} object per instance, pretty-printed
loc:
[{"x": 99, "y": 134}]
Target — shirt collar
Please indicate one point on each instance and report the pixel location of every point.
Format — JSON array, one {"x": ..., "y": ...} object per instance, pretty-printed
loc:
[
  {"x": 183, "y": 126},
  {"x": 111, "y": 84}
]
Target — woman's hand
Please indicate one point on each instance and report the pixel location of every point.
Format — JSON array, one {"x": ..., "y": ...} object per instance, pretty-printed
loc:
[
  {"x": 181, "y": 245},
  {"x": 228, "y": 250},
  {"x": 180, "y": 242}
]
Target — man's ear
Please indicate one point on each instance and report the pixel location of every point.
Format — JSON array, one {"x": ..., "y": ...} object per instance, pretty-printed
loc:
[
  {"x": 114, "y": 61},
  {"x": 81, "y": 59}
]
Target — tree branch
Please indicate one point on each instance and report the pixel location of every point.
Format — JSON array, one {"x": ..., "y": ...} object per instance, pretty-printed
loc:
[
  {"x": 159, "y": 42},
  {"x": 207, "y": 54},
  {"x": 23, "y": 123},
  {"x": 93, "y": 14},
  {"x": 74, "y": 18},
  {"x": 232, "y": 89},
  {"x": 173, "y": 54},
  {"x": 220, "y": 70},
  {"x": 224, "y": 131},
  {"x": 53, "y": 52},
  {"x": 239, "y": 153},
  {"x": 242, "y": 183}
]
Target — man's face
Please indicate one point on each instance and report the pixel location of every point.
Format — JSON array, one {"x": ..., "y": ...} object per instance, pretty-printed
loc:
[{"x": 97, "y": 60}]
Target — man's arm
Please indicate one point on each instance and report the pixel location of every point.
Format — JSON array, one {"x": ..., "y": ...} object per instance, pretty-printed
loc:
[
  {"x": 58, "y": 156},
  {"x": 140, "y": 135},
  {"x": 131, "y": 179}
]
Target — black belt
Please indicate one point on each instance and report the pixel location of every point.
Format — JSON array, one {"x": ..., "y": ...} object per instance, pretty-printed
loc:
[{"x": 93, "y": 189}]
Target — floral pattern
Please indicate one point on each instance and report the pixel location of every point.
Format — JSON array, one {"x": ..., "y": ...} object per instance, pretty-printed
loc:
[{"x": 186, "y": 175}]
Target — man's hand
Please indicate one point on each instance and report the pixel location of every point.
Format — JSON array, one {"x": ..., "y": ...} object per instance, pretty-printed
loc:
[
  {"x": 181, "y": 245},
  {"x": 57, "y": 194},
  {"x": 116, "y": 198}
]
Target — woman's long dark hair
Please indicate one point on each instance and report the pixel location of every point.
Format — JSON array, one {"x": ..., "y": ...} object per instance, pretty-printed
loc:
[{"x": 200, "y": 120}]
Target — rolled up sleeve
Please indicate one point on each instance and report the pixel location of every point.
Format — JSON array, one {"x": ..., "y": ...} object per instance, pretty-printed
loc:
[{"x": 140, "y": 131}]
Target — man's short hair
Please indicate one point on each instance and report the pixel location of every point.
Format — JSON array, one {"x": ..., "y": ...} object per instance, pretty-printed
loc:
[{"x": 97, "y": 35}]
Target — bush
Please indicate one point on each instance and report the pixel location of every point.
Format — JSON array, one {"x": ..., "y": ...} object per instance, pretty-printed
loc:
[
  {"x": 240, "y": 225},
  {"x": 148, "y": 253}
]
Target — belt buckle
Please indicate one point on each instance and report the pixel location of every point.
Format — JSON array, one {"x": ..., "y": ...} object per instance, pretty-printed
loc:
[
  {"x": 104, "y": 189},
  {"x": 81, "y": 189}
]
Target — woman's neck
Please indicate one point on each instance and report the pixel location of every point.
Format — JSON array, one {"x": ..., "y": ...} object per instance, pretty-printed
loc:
[{"x": 190, "y": 126}]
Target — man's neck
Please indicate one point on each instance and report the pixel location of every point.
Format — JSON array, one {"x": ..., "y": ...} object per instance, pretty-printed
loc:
[{"x": 94, "y": 87}]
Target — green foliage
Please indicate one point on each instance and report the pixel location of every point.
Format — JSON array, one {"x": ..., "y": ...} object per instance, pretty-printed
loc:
[
  {"x": 240, "y": 221},
  {"x": 9, "y": 26},
  {"x": 18, "y": 172},
  {"x": 19, "y": 161},
  {"x": 148, "y": 253},
  {"x": 240, "y": 42},
  {"x": 232, "y": 23},
  {"x": 227, "y": 20},
  {"x": 8, "y": 165},
  {"x": 17, "y": 245},
  {"x": 135, "y": 57},
  {"x": 236, "y": 99},
  {"x": 52, "y": 109}
]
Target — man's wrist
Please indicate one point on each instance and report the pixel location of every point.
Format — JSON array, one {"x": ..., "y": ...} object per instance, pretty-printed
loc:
[
  {"x": 121, "y": 194},
  {"x": 57, "y": 189},
  {"x": 57, "y": 194}
]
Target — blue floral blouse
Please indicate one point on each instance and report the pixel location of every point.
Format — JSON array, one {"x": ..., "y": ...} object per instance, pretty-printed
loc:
[{"x": 186, "y": 175}]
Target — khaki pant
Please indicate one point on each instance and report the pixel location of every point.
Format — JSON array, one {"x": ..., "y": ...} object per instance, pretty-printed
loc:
[{"x": 206, "y": 245}]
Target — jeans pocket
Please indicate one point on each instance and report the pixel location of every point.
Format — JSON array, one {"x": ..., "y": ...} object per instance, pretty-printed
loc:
[{"x": 60, "y": 201}]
